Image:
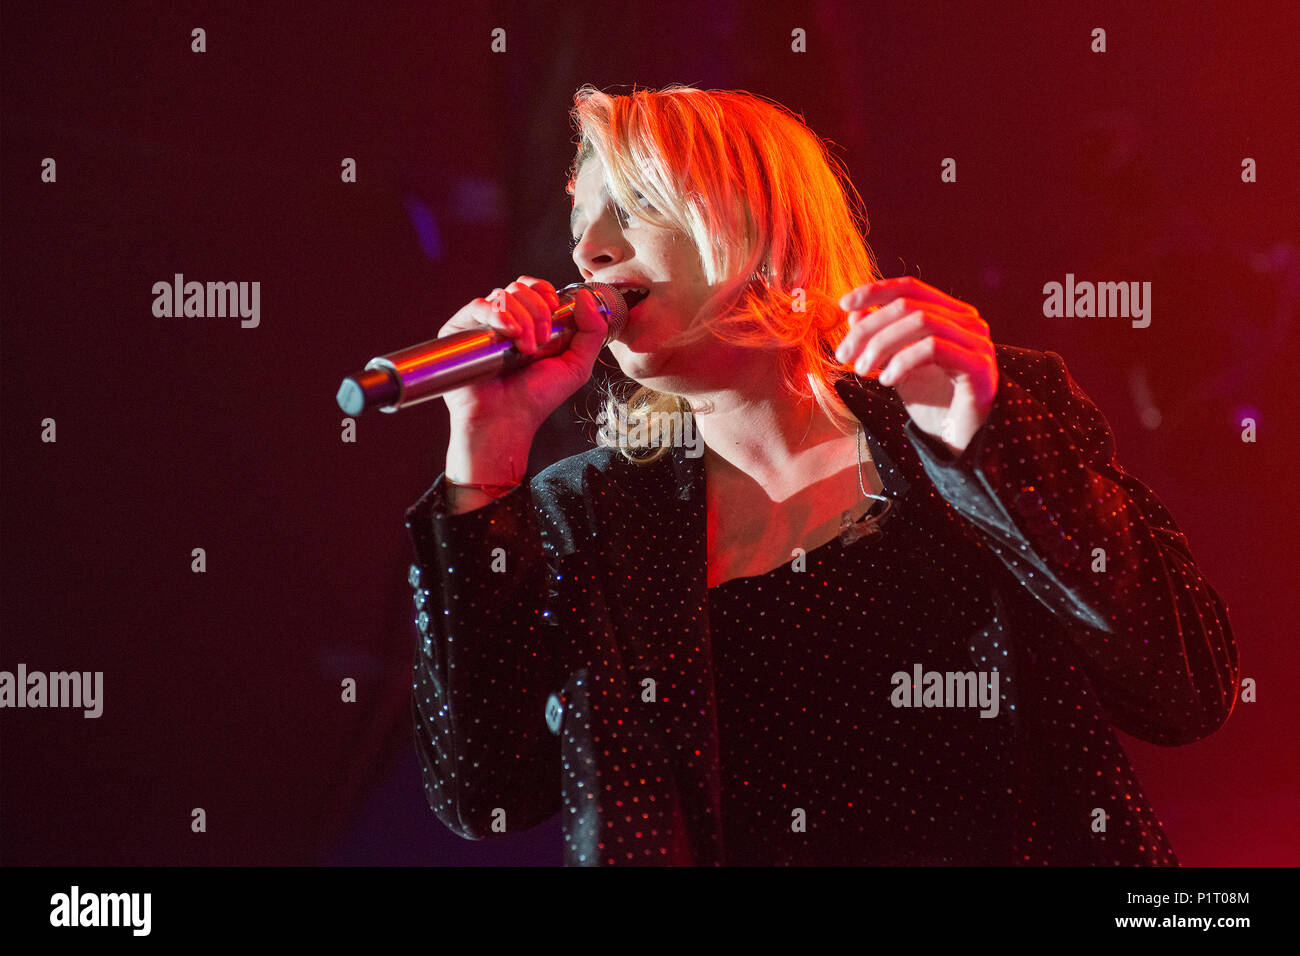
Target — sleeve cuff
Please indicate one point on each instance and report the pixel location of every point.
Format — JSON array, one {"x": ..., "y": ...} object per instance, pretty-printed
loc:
[{"x": 434, "y": 529}]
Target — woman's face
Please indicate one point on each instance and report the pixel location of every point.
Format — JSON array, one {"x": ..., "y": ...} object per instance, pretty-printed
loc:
[{"x": 616, "y": 247}]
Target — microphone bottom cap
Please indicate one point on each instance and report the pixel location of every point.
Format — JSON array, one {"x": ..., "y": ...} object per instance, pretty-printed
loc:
[{"x": 365, "y": 390}]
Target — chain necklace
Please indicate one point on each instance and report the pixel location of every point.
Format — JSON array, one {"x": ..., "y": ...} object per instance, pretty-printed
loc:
[{"x": 868, "y": 524}]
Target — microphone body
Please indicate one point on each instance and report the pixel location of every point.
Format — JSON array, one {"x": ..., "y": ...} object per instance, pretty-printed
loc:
[{"x": 421, "y": 372}]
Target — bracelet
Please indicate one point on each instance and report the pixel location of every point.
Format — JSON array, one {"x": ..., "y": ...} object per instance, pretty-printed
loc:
[{"x": 493, "y": 491}]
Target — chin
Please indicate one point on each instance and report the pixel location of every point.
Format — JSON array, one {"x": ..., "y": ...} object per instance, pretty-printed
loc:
[
  {"x": 638, "y": 366},
  {"x": 644, "y": 361}
]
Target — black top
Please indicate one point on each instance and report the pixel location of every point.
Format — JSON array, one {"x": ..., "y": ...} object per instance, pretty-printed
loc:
[
  {"x": 567, "y": 630},
  {"x": 804, "y": 663}
]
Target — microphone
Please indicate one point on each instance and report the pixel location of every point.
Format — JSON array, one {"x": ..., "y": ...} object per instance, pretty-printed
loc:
[{"x": 421, "y": 372}]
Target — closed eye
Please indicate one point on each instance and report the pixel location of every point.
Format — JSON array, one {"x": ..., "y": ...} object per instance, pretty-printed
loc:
[{"x": 624, "y": 219}]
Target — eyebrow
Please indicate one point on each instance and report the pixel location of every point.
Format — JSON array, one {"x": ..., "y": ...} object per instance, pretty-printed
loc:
[{"x": 577, "y": 209}]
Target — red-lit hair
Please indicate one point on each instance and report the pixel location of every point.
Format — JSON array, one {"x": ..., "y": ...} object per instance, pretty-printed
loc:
[{"x": 778, "y": 227}]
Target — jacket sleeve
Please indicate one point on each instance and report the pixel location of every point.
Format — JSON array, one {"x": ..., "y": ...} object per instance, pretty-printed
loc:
[
  {"x": 482, "y": 664},
  {"x": 1041, "y": 482}
]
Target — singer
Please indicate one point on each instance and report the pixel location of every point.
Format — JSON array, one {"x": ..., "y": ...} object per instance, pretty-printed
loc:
[{"x": 696, "y": 660}]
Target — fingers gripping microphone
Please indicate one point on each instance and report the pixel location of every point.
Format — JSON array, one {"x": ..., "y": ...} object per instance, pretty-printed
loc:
[{"x": 427, "y": 370}]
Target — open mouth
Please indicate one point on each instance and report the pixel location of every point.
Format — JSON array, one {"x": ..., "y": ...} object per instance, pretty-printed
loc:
[{"x": 634, "y": 297}]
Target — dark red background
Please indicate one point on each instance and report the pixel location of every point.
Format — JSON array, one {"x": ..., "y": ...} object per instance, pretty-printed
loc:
[{"x": 222, "y": 689}]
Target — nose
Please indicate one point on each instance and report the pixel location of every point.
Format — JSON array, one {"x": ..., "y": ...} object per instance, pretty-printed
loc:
[{"x": 602, "y": 243}]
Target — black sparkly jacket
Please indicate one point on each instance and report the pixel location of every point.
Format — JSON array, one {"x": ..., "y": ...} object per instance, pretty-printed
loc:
[{"x": 541, "y": 614}]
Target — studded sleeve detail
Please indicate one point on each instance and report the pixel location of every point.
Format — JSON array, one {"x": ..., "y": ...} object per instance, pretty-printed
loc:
[
  {"x": 482, "y": 665},
  {"x": 1041, "y": 482}
]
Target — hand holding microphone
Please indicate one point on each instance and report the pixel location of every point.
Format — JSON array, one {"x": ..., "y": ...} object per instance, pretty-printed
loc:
[
  {"x": 502, "y": 364},
  {"x": 549, "y": 367},
  {"x": 557, "y": 335}
]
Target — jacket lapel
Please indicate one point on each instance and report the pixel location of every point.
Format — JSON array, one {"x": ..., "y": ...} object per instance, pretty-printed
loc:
[
  {"x": 680, "y": 516},
  {"x": 664, "y": 627}
]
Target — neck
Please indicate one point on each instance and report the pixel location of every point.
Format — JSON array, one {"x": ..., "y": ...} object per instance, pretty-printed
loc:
[{"x": 755, "y": 433}]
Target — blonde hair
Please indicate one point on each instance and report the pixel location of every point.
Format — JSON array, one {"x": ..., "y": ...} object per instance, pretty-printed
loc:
[{"x": 778, "y": 227}]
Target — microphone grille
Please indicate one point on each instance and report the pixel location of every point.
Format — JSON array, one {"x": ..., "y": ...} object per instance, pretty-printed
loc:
[{"x": 615, "y": 307}]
